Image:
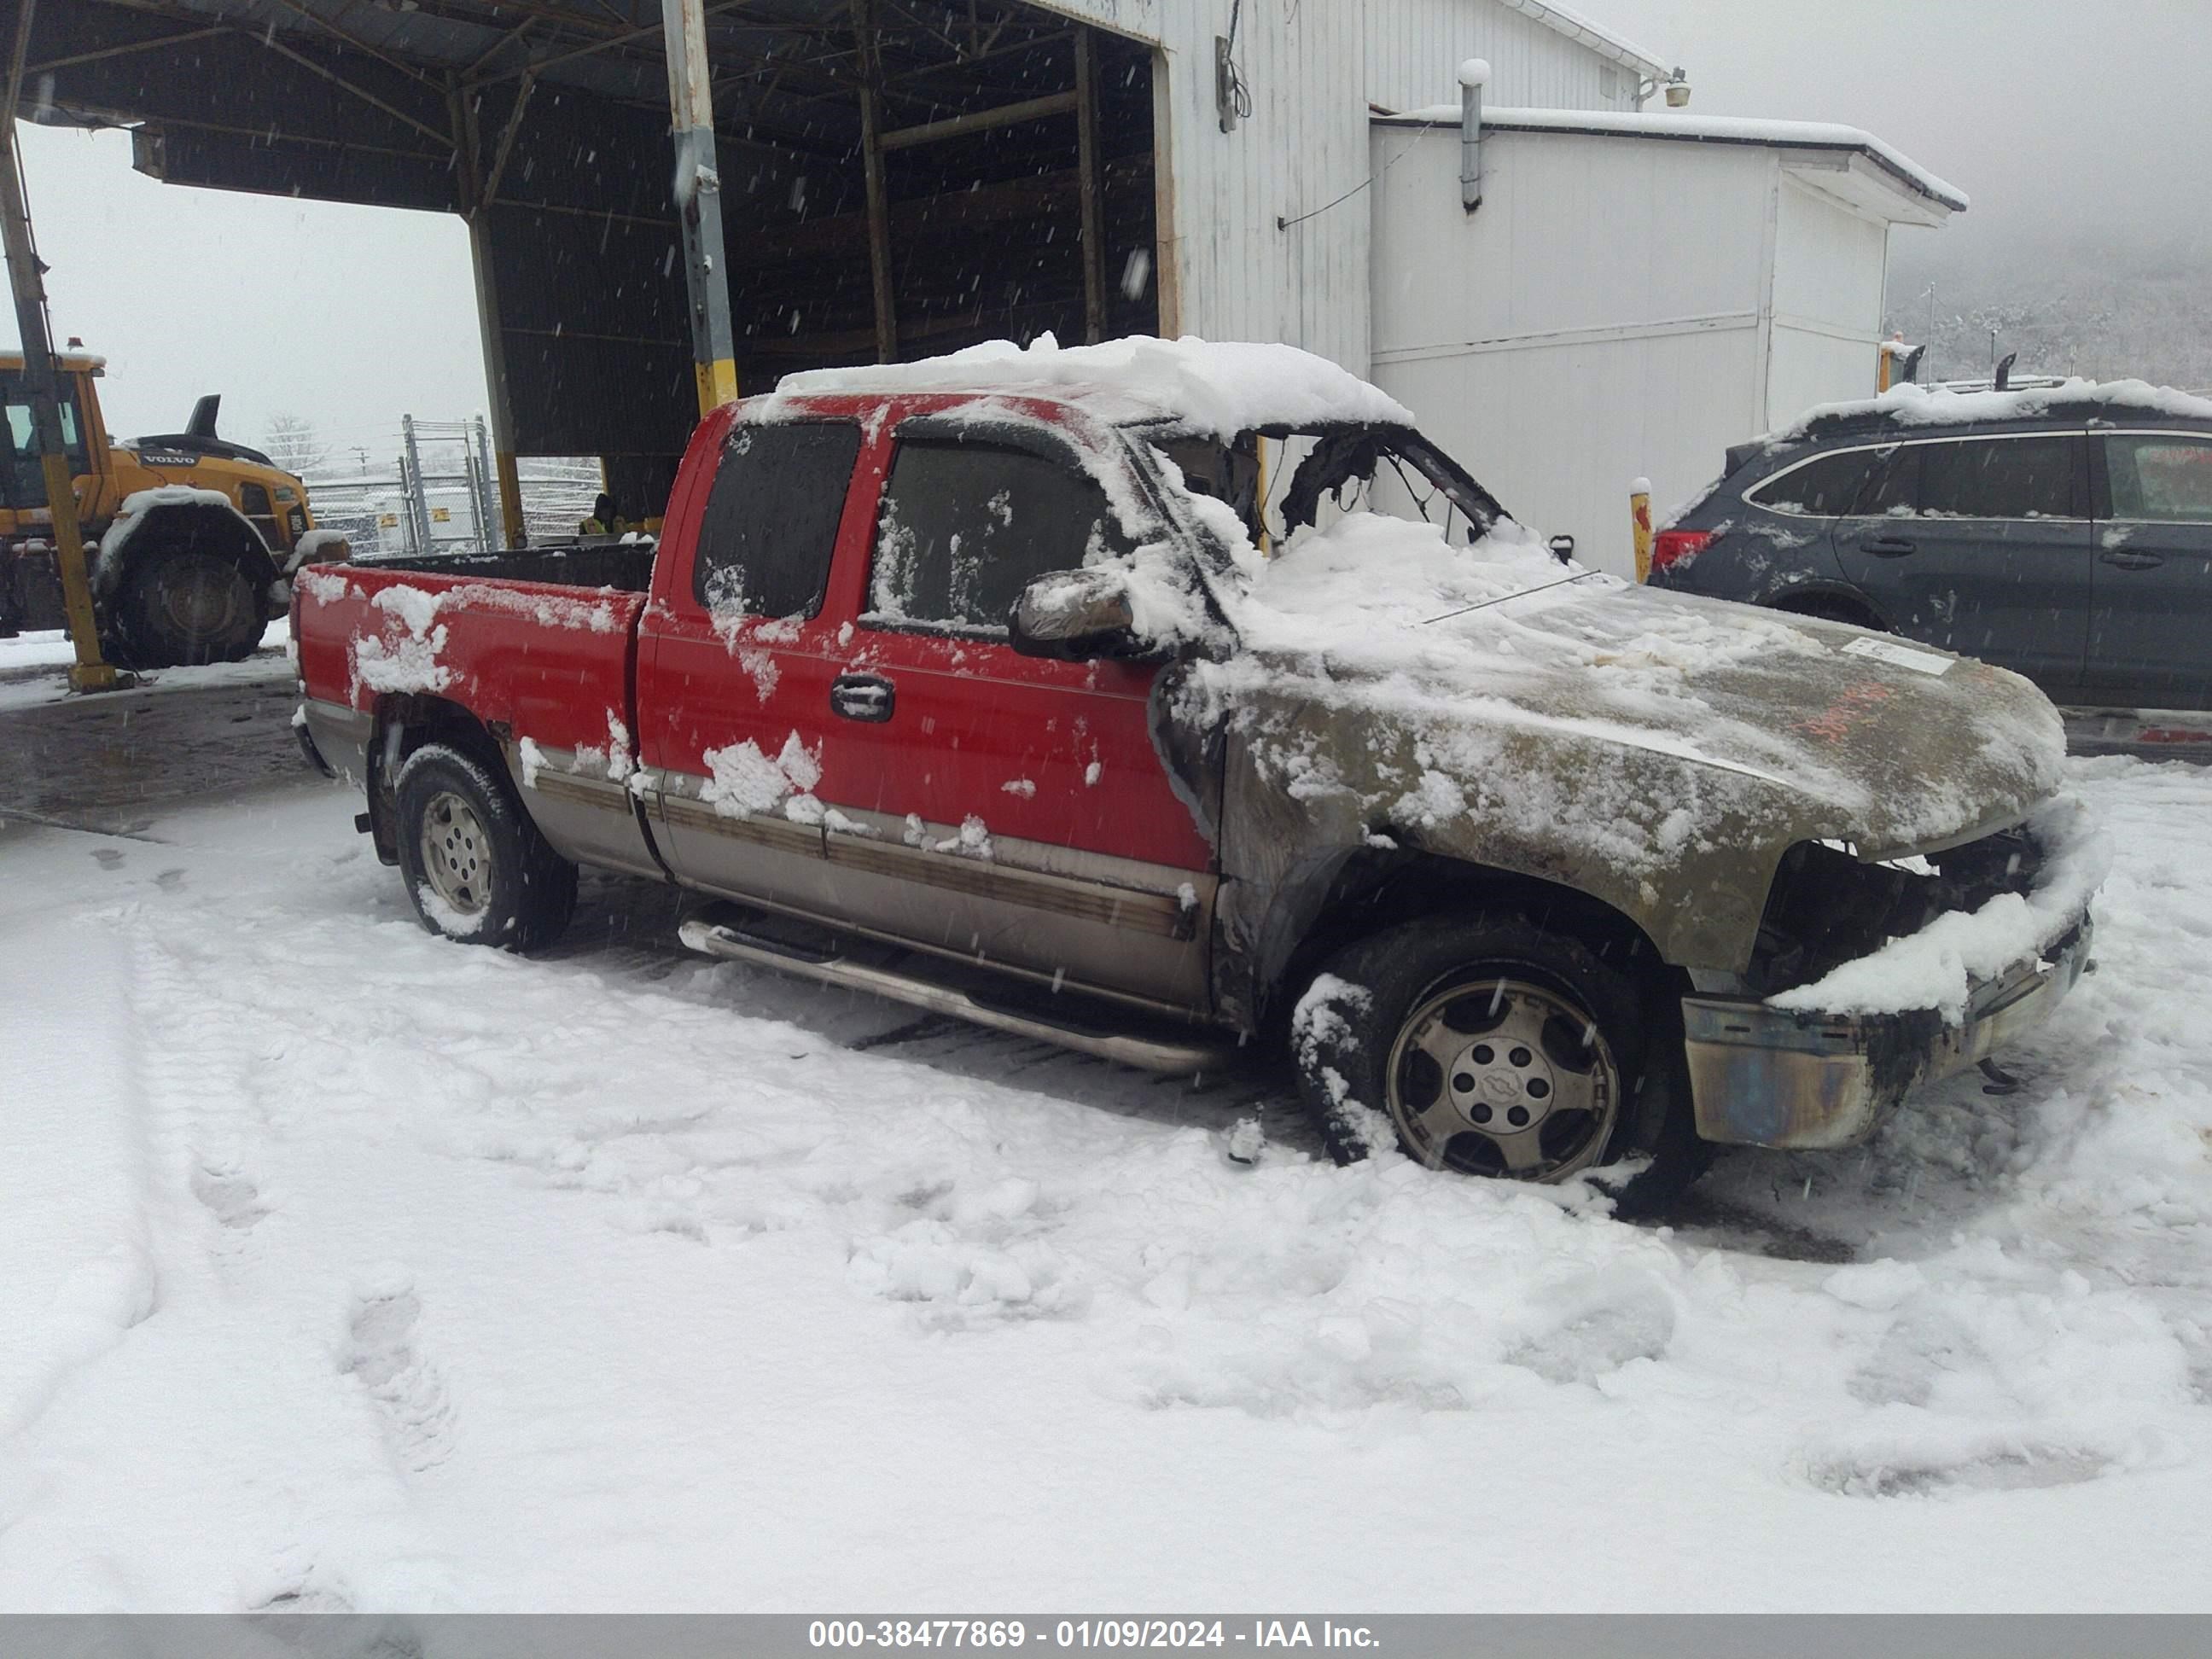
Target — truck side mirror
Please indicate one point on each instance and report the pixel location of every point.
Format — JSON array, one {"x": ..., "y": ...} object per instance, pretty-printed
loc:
[
  {"x": 1563, "y": 547},
  {"x": 1077, "y": 615}
]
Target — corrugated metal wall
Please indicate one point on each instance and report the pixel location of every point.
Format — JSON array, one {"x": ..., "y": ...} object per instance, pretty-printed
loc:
[
  {"x": 1555, "y": 341},
  {"x": 1302, "y": 157},
  {"x": 1415, "y": 49},
  {"x": 1240, "y": 273}
]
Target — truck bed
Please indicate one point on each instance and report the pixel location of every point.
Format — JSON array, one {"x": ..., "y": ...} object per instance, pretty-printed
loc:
[
  {"x": 542, "y": 659},
  {"x": 624, "y": 565}
]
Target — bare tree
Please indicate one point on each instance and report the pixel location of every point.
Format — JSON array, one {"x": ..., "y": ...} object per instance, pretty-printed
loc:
[{"x": 293, "y": 444}]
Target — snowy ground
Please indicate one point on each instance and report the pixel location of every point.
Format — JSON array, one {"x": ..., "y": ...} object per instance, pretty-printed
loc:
[
  {"x": 34, "y": 667},
  {"x": 347, "y": 1268}
]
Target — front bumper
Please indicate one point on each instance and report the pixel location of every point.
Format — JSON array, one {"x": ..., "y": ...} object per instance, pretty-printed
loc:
[{"x": 1767, "y": 1077}]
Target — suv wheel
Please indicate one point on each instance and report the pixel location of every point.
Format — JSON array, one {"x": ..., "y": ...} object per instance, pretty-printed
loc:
[
  {"x": 1485, "y": 1045},
  {"x": 476, "y": 868}
]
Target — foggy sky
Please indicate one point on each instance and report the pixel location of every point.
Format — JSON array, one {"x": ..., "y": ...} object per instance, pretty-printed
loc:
[
  {"x": 2075, "y": 122},
  {"x": 2065, "y": 121}
]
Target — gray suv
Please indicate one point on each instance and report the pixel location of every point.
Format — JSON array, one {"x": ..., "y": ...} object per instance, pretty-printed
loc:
[{"x": 2065, "y": 534}]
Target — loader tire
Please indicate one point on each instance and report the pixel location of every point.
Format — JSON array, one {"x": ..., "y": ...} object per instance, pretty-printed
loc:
[{"x": 187, "y": 607}]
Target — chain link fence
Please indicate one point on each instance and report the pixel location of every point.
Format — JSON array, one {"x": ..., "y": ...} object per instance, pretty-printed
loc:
[{"x": 439, "y": 495}]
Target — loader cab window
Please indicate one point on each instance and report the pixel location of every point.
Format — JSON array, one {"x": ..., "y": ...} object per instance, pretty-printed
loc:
[
  {"x": 253, "y": 502},
  {"x": 25, "y": 483}
]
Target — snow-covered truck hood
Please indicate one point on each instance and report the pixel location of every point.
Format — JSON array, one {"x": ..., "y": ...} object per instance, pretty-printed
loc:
[{"x": 1657, "y": 750}]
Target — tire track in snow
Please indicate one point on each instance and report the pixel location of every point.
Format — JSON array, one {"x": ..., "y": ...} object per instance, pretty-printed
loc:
[{"x": 73, "y": 1187}]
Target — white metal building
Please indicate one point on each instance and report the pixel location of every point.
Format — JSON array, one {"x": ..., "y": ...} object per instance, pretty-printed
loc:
[{"x": 1637, "y": 291}]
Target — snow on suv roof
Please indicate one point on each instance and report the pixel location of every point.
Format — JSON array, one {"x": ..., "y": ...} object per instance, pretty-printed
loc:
[
  {"x": 1217, "y": 387},
  {"x": 1917, "y": 405}
]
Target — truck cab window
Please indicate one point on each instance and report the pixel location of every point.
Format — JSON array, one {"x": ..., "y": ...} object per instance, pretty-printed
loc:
[
  {"x": 771, "y": 520},
  {"x": 966, "y": 526}
]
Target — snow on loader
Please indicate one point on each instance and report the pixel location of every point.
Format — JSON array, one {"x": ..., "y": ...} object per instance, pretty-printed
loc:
[{"x": 188, "y": 536}]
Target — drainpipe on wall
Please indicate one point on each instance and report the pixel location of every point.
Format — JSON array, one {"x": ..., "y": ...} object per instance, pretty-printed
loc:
[{"x": 1473, "y": 73}]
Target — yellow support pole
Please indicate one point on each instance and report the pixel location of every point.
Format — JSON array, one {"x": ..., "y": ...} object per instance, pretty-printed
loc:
[
  {"x": 92, "y": 671},
  {"x": 699, "y": 201},
  {"x": 1639, "y": 517}
]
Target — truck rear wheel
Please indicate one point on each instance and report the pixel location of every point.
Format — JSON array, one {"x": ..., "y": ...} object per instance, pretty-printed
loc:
[
  {"x": 476, "y": 868},
  {"x": 1485, "y": 1045},
  {"x": 187, "y": 607}
]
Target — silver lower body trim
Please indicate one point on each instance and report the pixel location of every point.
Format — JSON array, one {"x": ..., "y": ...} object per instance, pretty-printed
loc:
[{"x": 1146, "y": 1053}]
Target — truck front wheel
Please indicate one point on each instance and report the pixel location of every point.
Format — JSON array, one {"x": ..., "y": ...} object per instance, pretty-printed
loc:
[
  {"x": 187, "y": 607},
  {"x": 476, "y": 868},
  {"x": 1486, "y": 1045}
]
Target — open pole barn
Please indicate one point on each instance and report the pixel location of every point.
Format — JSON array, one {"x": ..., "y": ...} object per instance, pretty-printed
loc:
[
  {"x": 893, "y": 178},
  {"x": 671, "y": 202}
]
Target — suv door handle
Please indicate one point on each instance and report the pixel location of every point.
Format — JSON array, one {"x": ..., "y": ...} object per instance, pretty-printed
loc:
[
  {"x": 2127, "y": 561},
  {"x": 862, "y": 697},
  {"x": 1887, "y": 547}
]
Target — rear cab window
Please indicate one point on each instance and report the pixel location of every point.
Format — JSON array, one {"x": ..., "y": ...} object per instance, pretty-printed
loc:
[
  {"x": 771, "y": 523},
  {"x": 966, "y": 525}
]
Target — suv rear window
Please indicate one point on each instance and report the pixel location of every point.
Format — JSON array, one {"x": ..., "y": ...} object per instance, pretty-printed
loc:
[
  {"x": 966, "y": 526},
  {"x": 1822, "y": 488},
  {"x": 1998, "y": 477},
  {"x": 2161, "y": 478},
  {"x": 771, "y": 519}
]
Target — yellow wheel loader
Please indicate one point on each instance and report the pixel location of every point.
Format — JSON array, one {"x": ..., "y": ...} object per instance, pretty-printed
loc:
[{"x": 188, "y": 538}]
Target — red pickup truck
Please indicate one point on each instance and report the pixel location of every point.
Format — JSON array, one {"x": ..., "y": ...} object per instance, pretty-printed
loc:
[{"x": 975, "y": 683}]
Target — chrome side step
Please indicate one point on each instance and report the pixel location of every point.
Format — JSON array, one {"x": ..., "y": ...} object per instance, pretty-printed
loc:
[{"x": 1124, "y": 1047}]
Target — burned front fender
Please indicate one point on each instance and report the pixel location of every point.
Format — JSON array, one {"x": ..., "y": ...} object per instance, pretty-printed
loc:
[{"x": 1658, "y": 756}]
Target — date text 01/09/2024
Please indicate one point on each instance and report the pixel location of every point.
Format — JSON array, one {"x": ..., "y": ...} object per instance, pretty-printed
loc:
[{"x": 1084, "y": 1633}]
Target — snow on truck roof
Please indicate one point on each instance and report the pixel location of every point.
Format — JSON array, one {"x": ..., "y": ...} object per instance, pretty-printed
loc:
[
  {"x": 1912, "y": 406},
  {"x": 1221, "y": 387},
  {"x": 1709, "y": 129}
]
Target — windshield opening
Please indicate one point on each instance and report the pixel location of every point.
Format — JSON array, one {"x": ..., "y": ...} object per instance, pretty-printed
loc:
[{"x": 1283, "y": 480}]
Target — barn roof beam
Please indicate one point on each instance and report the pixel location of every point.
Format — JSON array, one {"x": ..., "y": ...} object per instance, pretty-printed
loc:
[
  {"x": 450, "y": 139},
  {"x": 125, "y": 49},
  {"x": 982, "y": 120},
  {"x": 356, "y": 41}
]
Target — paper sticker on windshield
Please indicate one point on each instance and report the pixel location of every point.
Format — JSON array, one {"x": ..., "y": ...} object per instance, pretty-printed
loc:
[{"x": 1900, "y": 656}]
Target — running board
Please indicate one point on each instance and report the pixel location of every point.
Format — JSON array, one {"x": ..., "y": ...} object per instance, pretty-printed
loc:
[{"x": 1149, "y": 1053}]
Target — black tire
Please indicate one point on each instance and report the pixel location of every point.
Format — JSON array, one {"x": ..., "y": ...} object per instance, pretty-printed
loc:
[
  {"x": 476, "y": 867},
  {"x": 1590, "y": 1060},
  {"x": 185, "y": 607}
]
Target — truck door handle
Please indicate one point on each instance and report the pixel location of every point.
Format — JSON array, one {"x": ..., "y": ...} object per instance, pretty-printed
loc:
[
  {"x": 2127, "y": 561},
  {"x": 862, "y": 697},
  {"x": 1887, "y": 547}
]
